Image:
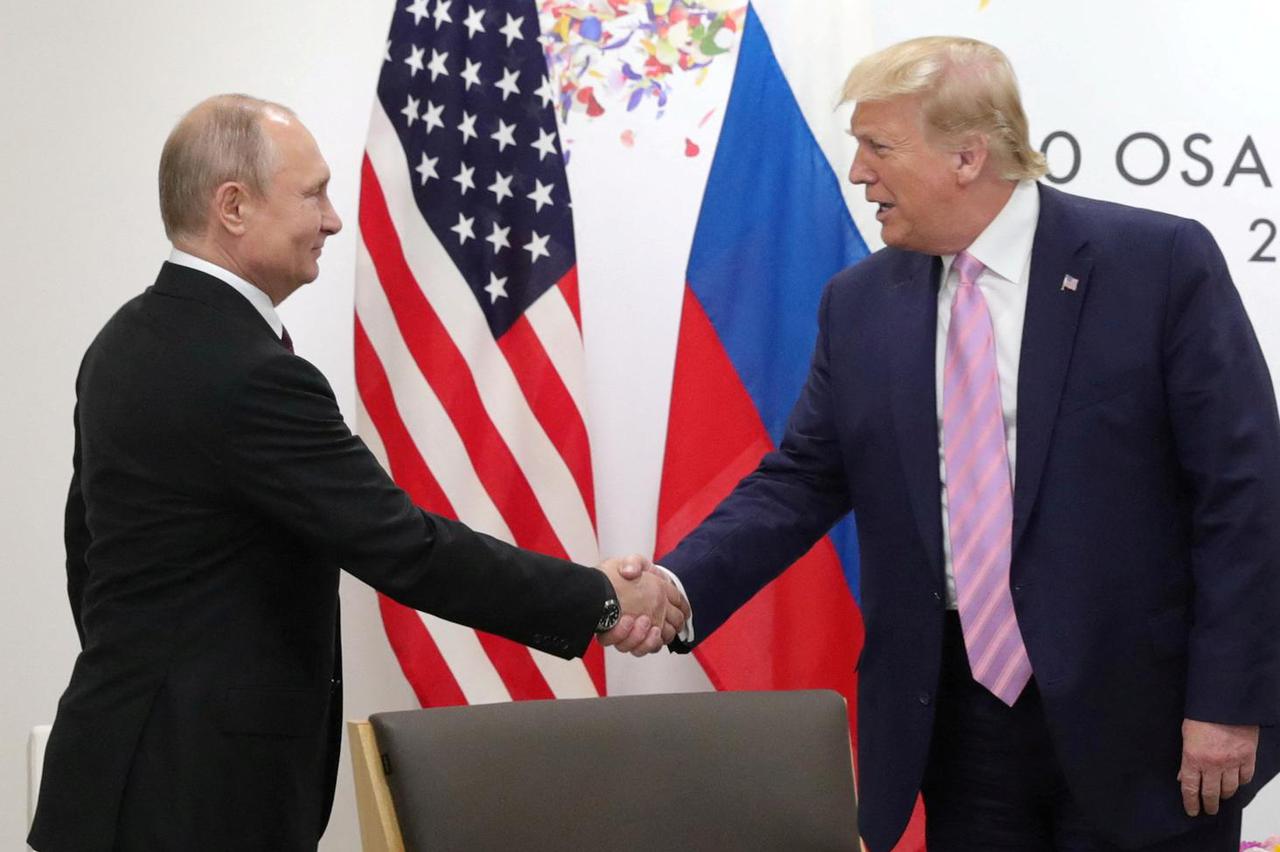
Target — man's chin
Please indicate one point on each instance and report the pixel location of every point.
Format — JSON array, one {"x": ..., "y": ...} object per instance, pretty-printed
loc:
[
  {"x": 902, "y": 240},
  {"x": 892, "y": 238}
]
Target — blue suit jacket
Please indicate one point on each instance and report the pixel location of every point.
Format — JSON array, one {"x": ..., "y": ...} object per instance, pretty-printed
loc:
[{"x": 1146, "y": 509}]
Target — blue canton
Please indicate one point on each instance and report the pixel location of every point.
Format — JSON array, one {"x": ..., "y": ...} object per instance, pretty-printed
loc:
[{"x": 466, "y": 87}]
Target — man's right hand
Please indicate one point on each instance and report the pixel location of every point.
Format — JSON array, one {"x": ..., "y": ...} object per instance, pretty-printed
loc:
[
  {"x": 644, "y": 601},
  {"x": 679, "y": 613}
]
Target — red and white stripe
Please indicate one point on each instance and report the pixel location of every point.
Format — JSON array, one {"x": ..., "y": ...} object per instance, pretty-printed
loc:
[{"x": 492, "y": 432}]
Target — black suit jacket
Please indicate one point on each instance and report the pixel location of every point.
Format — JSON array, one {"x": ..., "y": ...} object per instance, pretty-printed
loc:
[
  {"x": 1146, "y": 509},
  {"x": 216, "y": 494}
]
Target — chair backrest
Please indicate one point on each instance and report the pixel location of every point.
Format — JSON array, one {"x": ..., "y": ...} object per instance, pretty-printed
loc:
[{"x": 697, "y": 771}]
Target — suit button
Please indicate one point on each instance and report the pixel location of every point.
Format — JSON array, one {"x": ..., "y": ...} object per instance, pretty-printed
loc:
[
  {"x": 937, "y": 596},
  {"x": 924, "y": 698}
]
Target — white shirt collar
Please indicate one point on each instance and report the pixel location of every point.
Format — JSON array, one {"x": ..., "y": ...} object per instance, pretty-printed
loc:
[
  {"x": 1004, "y": 246},
  {"x": 260, "y": 300}
]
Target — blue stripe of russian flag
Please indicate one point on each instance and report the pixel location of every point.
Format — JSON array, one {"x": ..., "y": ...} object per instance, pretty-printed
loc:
[{"x": 772, "y": 230}]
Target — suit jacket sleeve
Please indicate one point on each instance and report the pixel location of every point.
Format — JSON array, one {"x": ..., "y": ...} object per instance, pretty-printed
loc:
[
  {"x": 776, "y": 513},
  {"x": 1223, "y": 412},
  {"x": 289, "y": 455}
]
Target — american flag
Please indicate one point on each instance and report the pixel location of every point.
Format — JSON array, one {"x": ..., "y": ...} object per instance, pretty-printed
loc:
[{"x": 468, "y": 341}]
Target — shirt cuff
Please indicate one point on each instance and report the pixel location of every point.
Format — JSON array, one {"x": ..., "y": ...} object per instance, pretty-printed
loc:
[{"x": 686, "y": 633}]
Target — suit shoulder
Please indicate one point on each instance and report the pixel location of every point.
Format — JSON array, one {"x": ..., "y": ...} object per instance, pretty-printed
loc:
[
  {"x": 1110, "y": 222},
  {"x": 876, "y": 273},
  {"x": 183, "y": 347}
]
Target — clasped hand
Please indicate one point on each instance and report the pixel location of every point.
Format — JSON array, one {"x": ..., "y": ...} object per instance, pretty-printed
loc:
[{"x": 653, "y": 610}]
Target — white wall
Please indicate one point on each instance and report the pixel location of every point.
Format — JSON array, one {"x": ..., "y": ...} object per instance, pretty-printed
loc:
[{"x": 88, "y": 92}]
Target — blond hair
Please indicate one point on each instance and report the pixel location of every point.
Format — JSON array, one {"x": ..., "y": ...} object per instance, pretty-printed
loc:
[
  {"x": 221, "y": 139},
  {"x": 965, "y": 87}
]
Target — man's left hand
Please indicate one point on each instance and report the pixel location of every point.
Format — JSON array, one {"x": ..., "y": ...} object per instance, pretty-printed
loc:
[{"x": 1216, "y": 760}]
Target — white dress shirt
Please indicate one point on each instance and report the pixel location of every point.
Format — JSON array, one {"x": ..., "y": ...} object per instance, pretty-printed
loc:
[
  {"x": 260, "y": 300},
  {"x": 1005, "y": 250}
]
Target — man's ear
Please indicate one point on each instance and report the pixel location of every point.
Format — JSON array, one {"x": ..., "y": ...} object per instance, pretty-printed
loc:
[
  {"x": 971, "y": 159},
  {"x": 231, "y": 201}
]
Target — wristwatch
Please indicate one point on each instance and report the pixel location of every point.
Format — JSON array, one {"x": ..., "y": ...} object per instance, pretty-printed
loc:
[{"x": 611, "y": 613}]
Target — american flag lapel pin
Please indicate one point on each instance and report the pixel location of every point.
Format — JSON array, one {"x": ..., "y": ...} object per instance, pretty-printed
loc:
[{"x": 1070, "y": 282}]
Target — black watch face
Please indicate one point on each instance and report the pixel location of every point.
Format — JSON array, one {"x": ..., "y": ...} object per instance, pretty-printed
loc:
[{"x": 612, "y": 612}]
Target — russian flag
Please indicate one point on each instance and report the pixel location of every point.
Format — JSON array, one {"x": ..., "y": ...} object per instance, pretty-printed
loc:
[{"x": 772, "y": 229}]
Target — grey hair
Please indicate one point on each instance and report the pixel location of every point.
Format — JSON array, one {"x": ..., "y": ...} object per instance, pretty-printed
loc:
[
  {"x": 221, "y": 139},
  {"x": 965, "y": 86}
]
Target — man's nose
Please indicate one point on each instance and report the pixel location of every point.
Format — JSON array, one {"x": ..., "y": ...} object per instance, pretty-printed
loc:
[
  {"x": 859, "y": 173},
  {"x": 331, "y": 223}
]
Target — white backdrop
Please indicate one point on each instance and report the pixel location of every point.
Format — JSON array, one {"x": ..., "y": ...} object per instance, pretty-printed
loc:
[{"x": 88, "y": 92}]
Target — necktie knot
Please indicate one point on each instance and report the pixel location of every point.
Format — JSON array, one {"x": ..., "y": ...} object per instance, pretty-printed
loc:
[{"x": 969, "y": 268}]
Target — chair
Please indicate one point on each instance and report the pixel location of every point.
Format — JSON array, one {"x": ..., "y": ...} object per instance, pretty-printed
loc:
[{"x": 739, "y": 771}]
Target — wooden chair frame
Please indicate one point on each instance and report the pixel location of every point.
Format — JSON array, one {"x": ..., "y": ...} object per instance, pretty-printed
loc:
[{"x": 379, "y": 828}]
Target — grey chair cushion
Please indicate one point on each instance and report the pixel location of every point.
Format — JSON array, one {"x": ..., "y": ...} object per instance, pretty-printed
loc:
[{"x": 691, "y": 772}]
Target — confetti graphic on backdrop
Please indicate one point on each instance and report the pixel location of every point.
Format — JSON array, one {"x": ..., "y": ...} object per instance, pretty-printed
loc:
[{"x": 633, "y": 55}]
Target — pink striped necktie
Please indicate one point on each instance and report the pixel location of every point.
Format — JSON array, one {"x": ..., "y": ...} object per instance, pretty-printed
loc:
[{"x": 979, "y": 493}]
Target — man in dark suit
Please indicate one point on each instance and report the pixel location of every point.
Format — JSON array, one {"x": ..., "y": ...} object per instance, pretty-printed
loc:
[
  {"x": 216, "y": 494},
  {"x": 1056, "y": 430}
]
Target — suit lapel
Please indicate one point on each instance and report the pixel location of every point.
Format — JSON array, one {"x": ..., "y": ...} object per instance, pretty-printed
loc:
[
  {"x": 914, "y": 396},
  {"x": 1048, "y": 336}
]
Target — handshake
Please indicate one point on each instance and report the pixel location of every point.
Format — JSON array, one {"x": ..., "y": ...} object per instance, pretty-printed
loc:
[{"x": 653, "y": 609}]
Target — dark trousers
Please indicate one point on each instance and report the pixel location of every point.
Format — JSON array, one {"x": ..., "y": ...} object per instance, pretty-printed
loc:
[{"x": 993, "y": 781}]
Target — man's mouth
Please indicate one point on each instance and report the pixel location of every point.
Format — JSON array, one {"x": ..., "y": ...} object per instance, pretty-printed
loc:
[{"x": 882, "y": 209}]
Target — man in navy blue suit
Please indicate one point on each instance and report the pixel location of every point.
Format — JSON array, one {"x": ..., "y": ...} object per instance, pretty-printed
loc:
[{"x": 1058, "y": 435}]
